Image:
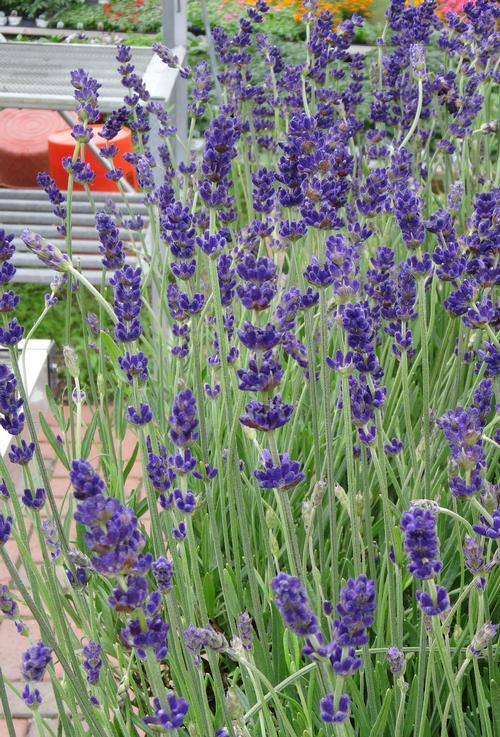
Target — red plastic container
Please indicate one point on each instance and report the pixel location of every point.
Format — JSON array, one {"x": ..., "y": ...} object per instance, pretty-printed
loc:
[
  {"x": 62, "y": 144},
  {"x": 23, "y": 144}
]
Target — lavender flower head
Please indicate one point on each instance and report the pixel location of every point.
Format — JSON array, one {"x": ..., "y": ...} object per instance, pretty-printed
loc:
[
  {"x": 45, "y": 251},
  {"x": 331, "y": 713},
  {"x": 92, "y": 661},
  {"x": 35, "y": 661},
  {"x": 421, "y": 542},
  {"x": 183, "y": 421},
  {"x": 284, "y": 475},
  {"x": 170, "y": 716},
  {"x": 291, "y": 600}
]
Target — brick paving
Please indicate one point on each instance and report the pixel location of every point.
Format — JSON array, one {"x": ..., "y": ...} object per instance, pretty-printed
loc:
[{"x": 12, "y": 644}]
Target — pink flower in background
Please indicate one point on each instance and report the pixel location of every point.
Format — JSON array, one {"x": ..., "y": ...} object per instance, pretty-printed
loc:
[{"x": 451, "y": 6}]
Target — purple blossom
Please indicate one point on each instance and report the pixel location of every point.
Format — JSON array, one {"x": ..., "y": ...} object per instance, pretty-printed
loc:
[
  {"x": 139, "y": 416},
  {"x": 266, "y": 416},
  {"x": 396, "y": 661},
  {"x": 8, "y": 605},
  {"x": 126, "y": 283},
  {"x": 285, "y": 475},
  {"x": 35, "y": 661},
  {"x": 21, "y": 454},
  {"x": 291, "y": 600},
  {"x": 330, "y": 714},
  {"x": 487, "y": 528},
  {"x": 92, "y": 661},
  {"x": 245, "y": 631},
  {"x": 421, "y": 542},
  {"x": 34, "y": 500},
  {"x": 170, "y": 716},
  {"x": 183, "y": 421},
  {"x": 263, "y": 376},
  {"x": 31, "y": 696},
  {"x": 134, "y": 365},
  {"x": 86, "y": 482},
  {"x": 433, "y": 605},
  {"x": 259, "y": 339},
  {"x": 111, "y": 247},
  {"x": 163, "y": 572},
  {"x": 5, "y": 528}
]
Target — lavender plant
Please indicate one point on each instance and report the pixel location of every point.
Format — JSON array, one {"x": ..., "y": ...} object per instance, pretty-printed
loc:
[{"x": 305, "y": 349}]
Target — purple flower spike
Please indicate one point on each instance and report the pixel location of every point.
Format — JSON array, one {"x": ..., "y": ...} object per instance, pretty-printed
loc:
[
  {"x": 92, "y": 661},
  {"x": 34, "y": 500},
  {"x": 140, "y": 416},
  {"x": 86, "y": 95},
  {"x": 259, "y": 339},
  {"x": 266, "y": 416},
  {"x": 110, "y": 246},
  {"x": 396, "y": 661},
  {"x": 171, "y": 717},
  {"x": 489, "y": 529},
  {"x": 163, "y": 572},
  {"x": 183, "y": 421},
  {"x": 245, "y": 631},
  {"x": 31, "y": 697},
  {"x": 284, "y": 476},
  {"x": 127, "y": 303},
  {"x": 8, "y": 606},
  {"x": 86, "y": 482},
  {"x": 328, "y": 713},
  {"x": 432, "y": 607},
  {"x": 263, "y": 376},
  {"x": 291, "y": 599},
  {"x": 45, "y": 251},
  {"x": 421, "y": 542},
  {"x": 482, "y": 639},
  {"x": 5, "y": 528},
  {"x": 35, "y": 661},
  {"x": 21, "y": 454},
  {"x": 134, "y": 365},
  {"x": 12, "y": 334}
]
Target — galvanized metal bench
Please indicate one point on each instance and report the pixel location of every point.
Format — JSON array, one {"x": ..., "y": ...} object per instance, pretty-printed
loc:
[
  {"x": 37, "y": 75},
  {"x": 21, "y": 208}
]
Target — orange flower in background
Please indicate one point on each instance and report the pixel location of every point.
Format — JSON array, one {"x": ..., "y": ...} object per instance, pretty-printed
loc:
[{"x": 340, "y": 8}]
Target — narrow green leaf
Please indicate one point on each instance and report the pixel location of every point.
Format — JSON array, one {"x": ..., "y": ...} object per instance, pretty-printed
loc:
[
  {"x": 53, "y": 406},
  {"x": 495, "y": 707},
  {"x": 6, "y": 710},
  {"x": 209, "y": 593},
  {"x": 131, "y": 462},
  {"x": 378, "y": 728},
  {"x": 58, "y": 448},
  {"x": 89, "y": 435},
  {"x": 110, "y": 346}
]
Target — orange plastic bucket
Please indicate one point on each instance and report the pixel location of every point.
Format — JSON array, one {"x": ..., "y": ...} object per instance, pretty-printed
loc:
[{"x": 62, "y": 144}]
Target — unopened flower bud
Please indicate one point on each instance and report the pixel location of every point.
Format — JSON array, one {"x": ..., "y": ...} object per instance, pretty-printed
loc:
[
  {"x": 341, "y": 495},
  {"x": 233, "y": 704},
  {"x": 396, "y": 661},
  {"x": 272, "y": 520},
  {"x": 46, "y": 252},
  {"x": 482, "y": 639},
  {"x": 307, "y": 513},
  {"x": 275, "y": 548},
  {"x": 318, "y": 493},
  {"x": 417, "y": 60},
  {"x": 71, "y": 361},
  {"x": 250, "y": 432}
]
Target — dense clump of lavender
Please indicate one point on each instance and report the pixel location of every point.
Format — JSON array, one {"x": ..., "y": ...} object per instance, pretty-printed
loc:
[{"x": 310, "y": 321}]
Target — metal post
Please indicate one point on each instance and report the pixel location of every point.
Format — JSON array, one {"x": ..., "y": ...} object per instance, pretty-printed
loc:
[{"x": 174, "y": 17}]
